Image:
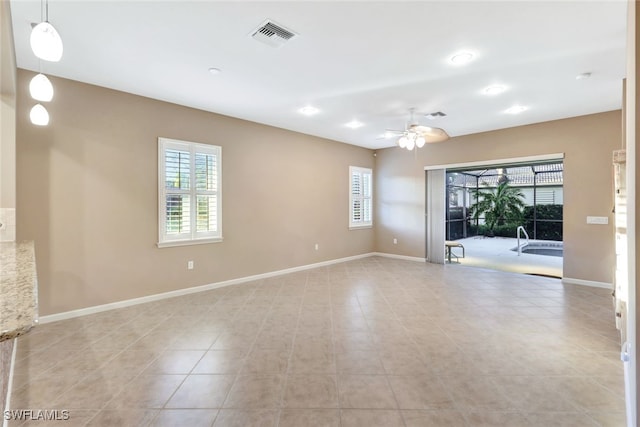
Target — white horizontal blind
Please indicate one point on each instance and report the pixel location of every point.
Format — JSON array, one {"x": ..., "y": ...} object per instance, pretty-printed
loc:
[
  {"x": 189, "y": 191},
  {"x": 360, "y": 197}
]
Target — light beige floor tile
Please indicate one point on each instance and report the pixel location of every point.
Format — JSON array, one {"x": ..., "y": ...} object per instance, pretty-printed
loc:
[
  {"x": 309, "y": 417},
  {"x": 255, "y": 392},
  {"x": 246, "y": 418},
  {"x": 476, "y": 393},
  {"x": 233, "y": 341},
  {"x": 434, "y": 418},
  {"x": 609, "y": 419},
  {"x": 310, "y": 361},
  {"x": 533, "y": 394},
  {"x": 201, "y": 391},
  {"x": 93, "y": 391},
  {"x": 365, "y": 391},
  {"x": 501, "y": 419},
  {"x": 562, "y": 419},
  {"x": 349, "y": 340},
  {"x": 275, "y": 339},
  {"x": 310, "y": 391},
  {"x": 220, "y": 362},
  {"x": 59, "y": 418},
  {"x": 40, "y": 392},
  {"x": 124, "y": 418},
  {"x": 185, "y": 417},
  {"x": 359, "y": 362},
  {"x": 497, "y": 344},
  {"x": 587, "y": 394},
  {"x": 175, "y": 362},
  {"x": 404, "y": 361},
  {"x": 129, "y": 361},
  {"x": 614, "y": 383},
  {"x": 420, "y": 392},
  {"x": 370, "y": 418},
  {"x": 147, "y": 391},
  {"x": 266, "y": 361},
  {"x": 196, "y": 340}
]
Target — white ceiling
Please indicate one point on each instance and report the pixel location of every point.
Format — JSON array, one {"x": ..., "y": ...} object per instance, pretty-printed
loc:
[{"x": 369, "y": 61}]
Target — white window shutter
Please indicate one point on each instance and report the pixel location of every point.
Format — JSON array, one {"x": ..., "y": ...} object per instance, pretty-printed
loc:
[
  {"x": 189, "y": 177},
  {"x": 360, "y": 197}
]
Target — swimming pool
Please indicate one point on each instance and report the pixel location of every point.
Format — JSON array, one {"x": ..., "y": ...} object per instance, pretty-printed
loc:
[{"x": 542, "y": 248}]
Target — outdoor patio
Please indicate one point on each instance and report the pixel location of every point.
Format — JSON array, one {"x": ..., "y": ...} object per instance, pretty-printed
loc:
[{"x": 495, "y": 253}]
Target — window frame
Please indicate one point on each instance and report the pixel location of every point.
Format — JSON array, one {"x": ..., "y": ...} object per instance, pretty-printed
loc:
[
  {"x": 355, "y": 225},
  {"x": 193, "y": 237}
]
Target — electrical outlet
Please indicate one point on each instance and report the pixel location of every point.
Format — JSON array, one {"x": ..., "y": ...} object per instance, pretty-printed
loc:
[
  {"x": 395, "y": 241},
  {"x": 317, "y": 246},
  {"x": 189, "y": 265}
]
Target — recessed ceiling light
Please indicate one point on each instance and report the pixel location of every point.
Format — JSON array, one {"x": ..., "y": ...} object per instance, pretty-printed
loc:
[
  {"x": 461, "y": 58},
  {"x": 494, "y": 89},
  {"x": 309, "y": 110},
  {"x": 583, "y": 76},
  {"x": 516, "y": 109},
  {"x": 214, "y": 70},
  {"x": 354, "y": 124}
]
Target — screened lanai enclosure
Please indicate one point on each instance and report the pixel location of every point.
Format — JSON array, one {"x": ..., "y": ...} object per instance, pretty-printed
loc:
[{"x": 540, "y": 188}]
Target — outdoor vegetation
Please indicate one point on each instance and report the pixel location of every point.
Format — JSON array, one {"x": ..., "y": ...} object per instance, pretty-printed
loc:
[{"x": 501, "y": 206}]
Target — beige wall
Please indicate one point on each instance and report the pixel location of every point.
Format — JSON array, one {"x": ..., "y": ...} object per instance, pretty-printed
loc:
[
  {"x": 587, "y": 142},
  {"x": 87, "y": 195}
]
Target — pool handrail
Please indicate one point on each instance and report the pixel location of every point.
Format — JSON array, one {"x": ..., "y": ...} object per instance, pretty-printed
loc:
[{"x": 526, "y": 235}]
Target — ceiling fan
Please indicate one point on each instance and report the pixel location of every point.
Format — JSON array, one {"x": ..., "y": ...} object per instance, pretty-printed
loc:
[{"x": 416, "y": 135}]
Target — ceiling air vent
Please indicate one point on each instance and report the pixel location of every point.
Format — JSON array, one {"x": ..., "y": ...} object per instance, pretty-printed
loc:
[
  {"x": 272, "y": 34},
  {"x": 435, "y": 115}
]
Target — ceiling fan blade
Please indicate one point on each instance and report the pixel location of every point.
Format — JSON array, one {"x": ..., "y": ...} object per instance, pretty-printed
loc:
[
  {"x": 392, "y": 133},
  {"x": 431, "y": 134}
]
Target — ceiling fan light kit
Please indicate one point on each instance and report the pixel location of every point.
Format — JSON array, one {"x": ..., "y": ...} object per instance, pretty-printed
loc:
[{"x": 416, "y": 135}]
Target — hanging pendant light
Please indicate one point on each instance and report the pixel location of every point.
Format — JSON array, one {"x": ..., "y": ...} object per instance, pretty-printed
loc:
[
  {"x": 41, "y": 88},
  {"x": 39, "y": 115},
  {"x": 46, "y": 42}
]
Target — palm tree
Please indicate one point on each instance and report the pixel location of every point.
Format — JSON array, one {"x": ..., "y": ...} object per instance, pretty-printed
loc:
[{"x": 499, "y": 205}]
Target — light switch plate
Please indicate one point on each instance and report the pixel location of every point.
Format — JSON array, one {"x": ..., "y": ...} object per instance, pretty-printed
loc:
[
  {"x": 601, "y": 220},
  {"x": 7, "y": 225}
]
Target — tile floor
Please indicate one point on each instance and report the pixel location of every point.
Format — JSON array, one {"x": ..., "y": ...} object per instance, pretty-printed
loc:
[{"x": 373, "y": 342}]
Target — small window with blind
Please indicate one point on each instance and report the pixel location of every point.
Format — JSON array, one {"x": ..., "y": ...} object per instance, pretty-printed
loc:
[
  {"x": 189, "y": 190},
  {"x": 360, "y": 197}
]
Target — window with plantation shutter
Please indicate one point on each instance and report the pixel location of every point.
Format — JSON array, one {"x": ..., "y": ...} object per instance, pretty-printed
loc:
[
  {"x": 189, "y": 190},
  {"x": 360, "y": 197}
]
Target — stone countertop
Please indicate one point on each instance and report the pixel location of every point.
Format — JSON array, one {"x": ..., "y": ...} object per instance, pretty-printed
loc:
[{"x": 18, "y": 289}]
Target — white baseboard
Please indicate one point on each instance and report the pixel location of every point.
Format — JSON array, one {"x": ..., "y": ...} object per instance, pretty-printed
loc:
[
  {"x": 7, "y": 403},
  {"x": 404, "y": 257},
  {"x": 591, "y": 283},
  {"x": 155, "y": 297}
]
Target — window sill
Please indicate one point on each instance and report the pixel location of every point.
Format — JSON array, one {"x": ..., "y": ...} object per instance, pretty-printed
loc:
[
  {"x": 360, "y": 227},
  {"x": 172, "y": 243}
]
